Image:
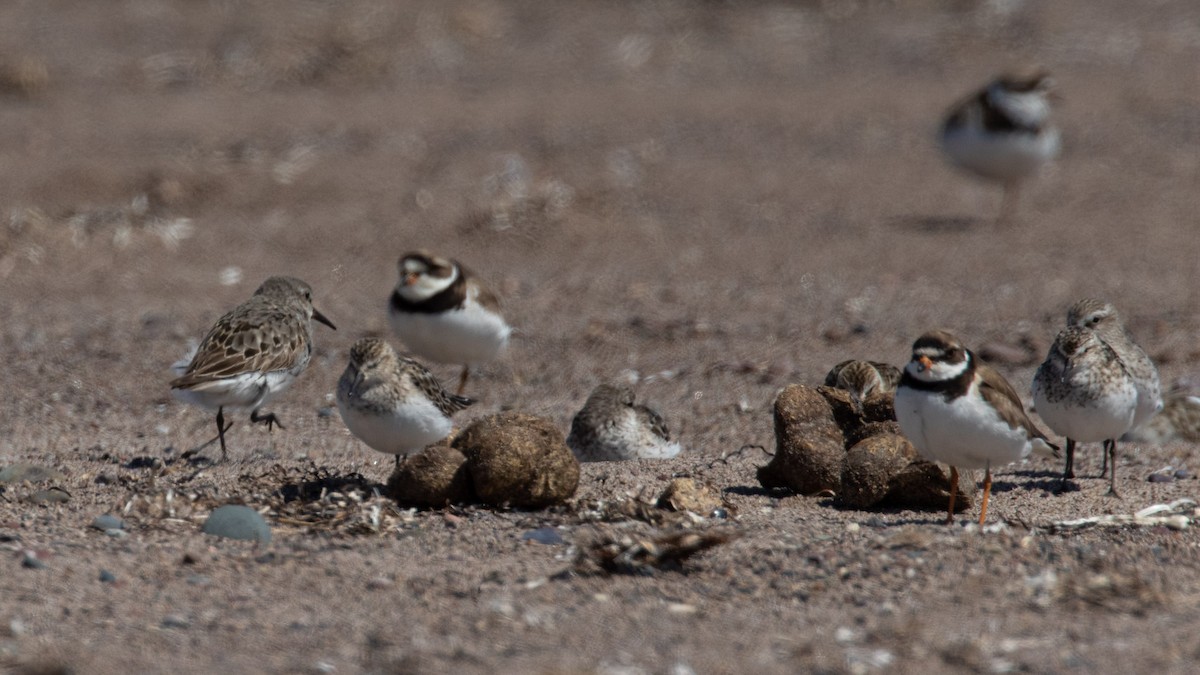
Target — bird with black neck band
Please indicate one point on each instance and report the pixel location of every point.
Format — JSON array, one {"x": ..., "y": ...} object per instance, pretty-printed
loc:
[
  {"x": 963, "y": 413},
  {"x": 443, "y": 313}
]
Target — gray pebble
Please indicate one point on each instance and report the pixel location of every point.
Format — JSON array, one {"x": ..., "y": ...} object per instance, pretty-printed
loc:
[
  {"x": 115, "y": 533},
  {"x": 108, "y": 522},
  {"x": 175, "y": 621},
  {"x": 31, "y": 561},
  {"x": 1161, "y": 478},
  {"x": 543, "y": 535},
  {"x": 107, "y": 577},
  {"x": 234, "y": 521},
  {"x": 51, "y": 496},
  {"x": 1183, "y": 474}
]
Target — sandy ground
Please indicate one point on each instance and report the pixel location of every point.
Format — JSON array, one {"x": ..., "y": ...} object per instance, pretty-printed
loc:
[{"x": 712, "y": 199}]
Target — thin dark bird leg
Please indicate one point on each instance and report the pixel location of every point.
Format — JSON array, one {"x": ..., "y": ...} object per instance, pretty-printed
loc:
[
  {"x": 1110, "y": 450},
  {"x": 462, "y": 380},
  {"x": 269, "y": 419},
  {"x": 953, "y": 494},
  {"x": 987, "y": 491},
  {"x": 1069, "y": 472},
  {"x": 221, "y": 429},
  {"x": 1104, "y": 466}
]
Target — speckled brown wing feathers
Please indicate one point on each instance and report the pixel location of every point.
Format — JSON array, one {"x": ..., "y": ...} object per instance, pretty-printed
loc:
[
  {"x": 654, "y": 421},
  {"x": 274, "y": 341},
  {"x": 446, "y": 402}
]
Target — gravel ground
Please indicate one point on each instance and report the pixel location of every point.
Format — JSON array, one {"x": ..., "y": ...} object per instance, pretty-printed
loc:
[{"x": 711, "y": 200}]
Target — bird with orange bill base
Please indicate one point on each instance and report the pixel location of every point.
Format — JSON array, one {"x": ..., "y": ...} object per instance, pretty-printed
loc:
[{"x": 963, "y": 413}]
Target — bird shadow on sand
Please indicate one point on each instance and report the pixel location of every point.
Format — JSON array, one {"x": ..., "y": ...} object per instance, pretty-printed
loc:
[
  {"x": 936, "y": 224},
  {"x": 1044, "y": 481},
  {"x": 758, "y": 491}
]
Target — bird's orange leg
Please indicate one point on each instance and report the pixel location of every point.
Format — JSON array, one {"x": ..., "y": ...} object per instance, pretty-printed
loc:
[{"x": 953, "y": 494}]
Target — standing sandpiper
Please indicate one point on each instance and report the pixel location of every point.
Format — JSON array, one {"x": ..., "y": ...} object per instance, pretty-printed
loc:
[
  {"x": 1096, "y": 384},
  {"x": 252, "y": 354}
]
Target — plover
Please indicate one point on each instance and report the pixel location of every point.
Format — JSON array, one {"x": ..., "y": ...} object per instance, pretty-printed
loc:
[
  {"x": 610, "y": 427},
  {"x": 443, "y": 313},
  {"x": 963, "y": 413},
  {"x": 863, "y": 379},
  {"x": 1122, "y": 411},
  {"x": 252, "y": 354},
  {"x": 1003, "y": 132},
  {"x": 392, "y": 402}
]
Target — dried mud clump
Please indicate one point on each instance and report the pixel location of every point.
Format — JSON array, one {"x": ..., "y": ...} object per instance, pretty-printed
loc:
[
  {"x": 518, "y": 459},
  {"x": 685, "y": 494},
  {"x": 808, "y": 444},
  {"x": 436, "y": 476},
  {"x": 826, "y": 442},
  {"x": 925, "y": 485},
  {"x": 871, "y": 465}
]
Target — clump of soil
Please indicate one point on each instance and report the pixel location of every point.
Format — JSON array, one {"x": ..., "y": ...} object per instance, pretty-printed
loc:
[
  {"x": 436, "y": 476},
  {"x": 518, "y": 459}
]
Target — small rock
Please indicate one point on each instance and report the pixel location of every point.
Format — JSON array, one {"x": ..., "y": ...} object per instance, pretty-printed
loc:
[
  {"x": 808, "y": 442},
  {"x": 685, "y": 494},
  {"x": 518, "y": 459},
  {"x": 234, "y": 521},
  {"x": 380, "y": 583},
  {"x": 30, "y": 560},
  {"x": 108, "y": 522},
  {"x": 107, "y": 577},
  {"x": 436, "y": 476},
  {"x": 543, "y": 535},
  {"x": 116, "y": 533},
  {"x": 1161, "y": 478},
  {"x": 175, "y": 621},
  {"x": 20, "y": 472},
  {"x": 1183, "y": 474},
  {"x": 54, "y": 495}
]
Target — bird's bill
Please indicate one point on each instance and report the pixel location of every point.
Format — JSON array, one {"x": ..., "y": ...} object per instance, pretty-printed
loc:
[
  {"x": 321, "y": 317},
  {"x": 925, "y": 362},
  {"x": 409, "y": 278}
]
